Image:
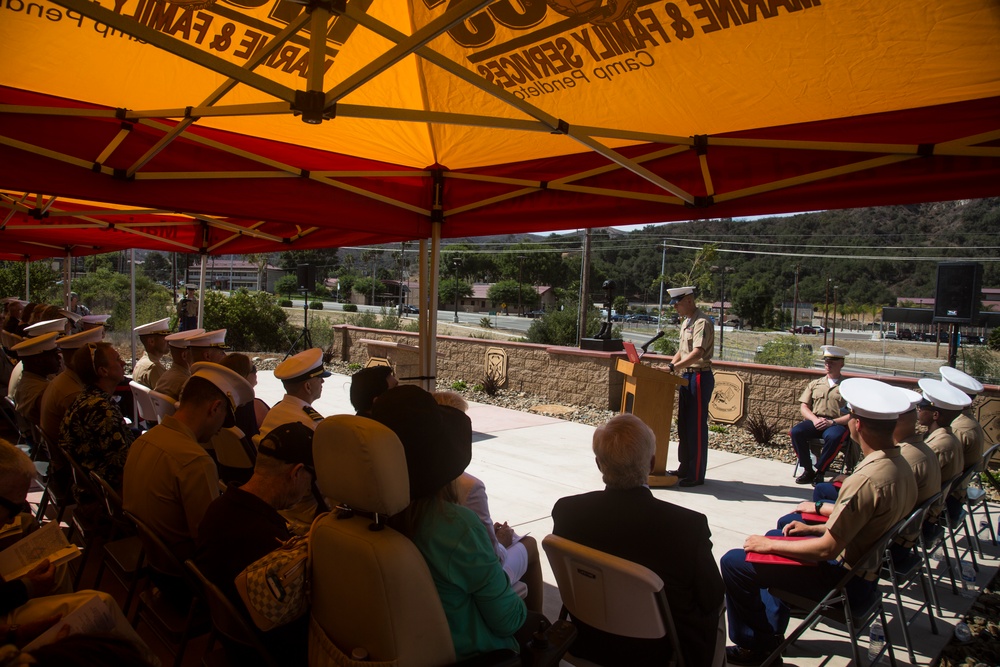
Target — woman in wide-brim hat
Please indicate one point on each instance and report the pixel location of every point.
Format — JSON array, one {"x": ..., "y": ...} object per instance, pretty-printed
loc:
[{"x": 483, "y": 611}]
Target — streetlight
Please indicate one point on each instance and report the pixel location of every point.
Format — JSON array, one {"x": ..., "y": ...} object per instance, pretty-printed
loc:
[
  {"x": 520, "y": 273},
  {"x": 826, "y": 310},
  {"x": 457, "y": 264},
  {"x": 722, "y": 271}
]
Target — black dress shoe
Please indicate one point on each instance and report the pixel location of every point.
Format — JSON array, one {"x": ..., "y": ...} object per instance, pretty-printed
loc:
[
  {"x": 690, "y": 482},
  {"x": 805, "y": 478},
  {"x": 675, "y": 473},
  {"x": 737, "y": 655}
]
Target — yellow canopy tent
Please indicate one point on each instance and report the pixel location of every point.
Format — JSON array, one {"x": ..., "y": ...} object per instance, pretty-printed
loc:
[{"x": 439, "y": 119}]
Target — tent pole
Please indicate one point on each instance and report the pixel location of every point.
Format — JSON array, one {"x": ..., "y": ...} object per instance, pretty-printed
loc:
[
  {"x": 584, "y": 305},
  {"x": 201, "y": 290},
  {"x": 67, "y": 276},
  {"x": 135, "y": 404},
  {"x": 27, "y": 279},
  {"x": 432, "y": 288},
  {"x": 425, "y": 313}
]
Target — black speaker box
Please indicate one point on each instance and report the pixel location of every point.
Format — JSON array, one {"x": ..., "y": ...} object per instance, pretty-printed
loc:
[
  {"x": 957, "y": 297},
  {"x": 306, "y": 274}
]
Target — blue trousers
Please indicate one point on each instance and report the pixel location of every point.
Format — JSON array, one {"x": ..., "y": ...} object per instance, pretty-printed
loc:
[
  {"x": 833, "y": 437},
  {"x": 756, "y": 618},
  {"x": 825, "y": 491},
  {"x": 692, "y": 425}
]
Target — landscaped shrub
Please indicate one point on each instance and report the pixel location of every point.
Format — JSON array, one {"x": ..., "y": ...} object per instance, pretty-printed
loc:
[
  {"x": 285, "y": 303},
  {"x": 316, "y": 305},
  {"x": 350, "y": 308}
]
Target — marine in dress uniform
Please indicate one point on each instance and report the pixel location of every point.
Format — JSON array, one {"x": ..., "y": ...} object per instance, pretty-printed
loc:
[
  {"x": 40, "y": 359},
  {"x": 879, "y": 494},
  {"x": 66, "y": 386},
  {"x": 941, "y": 405},
  {"x": 169, "y": 478},
  {"x": 187, "y": 310},
  {"x": 302, "y": 376},
  {"x": 694, "y": 360},
  {"x": 820, "y": 405},
  {"x": 38, "y": 329},
  {"x": 171, "y": 382},
  {"x": 965, "y": 427},
  {"x": 149, "y": 369},
  {"x": 208, "y": 346}
]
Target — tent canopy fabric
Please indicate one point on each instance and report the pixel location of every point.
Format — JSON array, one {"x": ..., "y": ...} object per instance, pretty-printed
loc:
[{"x": 179, "y": 125}]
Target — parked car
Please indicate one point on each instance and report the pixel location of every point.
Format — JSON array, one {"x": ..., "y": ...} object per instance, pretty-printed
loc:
[
  {"x": 906, "y": 334},
  {"x": 413, "y": 310},
  {"x": 891, "y": 335},
  {"x": 534, "y": 313},
  {"x": 804, "y": 330}
]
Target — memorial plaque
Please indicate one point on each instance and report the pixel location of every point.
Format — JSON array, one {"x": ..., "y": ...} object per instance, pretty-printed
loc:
[
  {"x": 988, "y": 416},
  {"x": 727, "y": 401},
  {"x": 495, "y": 365},
  {"x": 377, "y": 361}
]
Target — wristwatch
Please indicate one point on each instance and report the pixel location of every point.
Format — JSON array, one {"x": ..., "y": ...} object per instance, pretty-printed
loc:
[
  {"x": 670, "y": 365},
  {"x": 819, "y": 505}
]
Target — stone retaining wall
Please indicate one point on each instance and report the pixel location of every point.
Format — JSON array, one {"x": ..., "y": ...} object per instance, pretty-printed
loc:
[{"x": 583, "y": 377}]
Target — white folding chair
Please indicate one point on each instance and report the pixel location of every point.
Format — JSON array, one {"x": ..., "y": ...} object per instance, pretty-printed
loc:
[
  {"x": 611, "y": 594},
  {"x": 163, "y": 405}
]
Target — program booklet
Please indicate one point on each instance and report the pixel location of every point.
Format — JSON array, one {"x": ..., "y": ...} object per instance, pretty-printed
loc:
[{"x": 48, "y": 542}]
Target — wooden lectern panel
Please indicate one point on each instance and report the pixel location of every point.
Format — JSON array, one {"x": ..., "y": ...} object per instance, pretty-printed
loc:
[{"x": 648, "y": 393}]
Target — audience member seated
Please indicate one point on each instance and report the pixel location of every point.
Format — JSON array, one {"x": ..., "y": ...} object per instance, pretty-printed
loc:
[
  {"x": 625, "y": 520},
  {"x": 27, "y": 607},
  {"x": 172, "y": 382},
  {"x": 153, "y": 336},
  {"x": 41, "y": 361},
  {"x": 32, "y": 332},
  {"x": 302, "y": 377},
  {"x": 13, "y": 310},
  {"x": 483, "y": 611},
  {"x": 368, "y": 384},
  {"x": 965, "y": 427},
  {"x": 84, "y": 650},
  {"x": 879, "y": 494},
  {"x": 249, "y": 417},
  {"x": 66, "y": 386},
  {"x": 170, "y": 479},
  {"x": 243, "y": 525},
  {"x": 941, "y": 405},
  {"x": 208, "y": 346},
  {"x": 518, "y": 555},
  {"x": 820, "y": 405},
  {"x": 93, "y": 431}
]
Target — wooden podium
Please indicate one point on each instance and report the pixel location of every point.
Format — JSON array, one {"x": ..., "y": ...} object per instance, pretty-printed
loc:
[{"x": 649, "y": 395}]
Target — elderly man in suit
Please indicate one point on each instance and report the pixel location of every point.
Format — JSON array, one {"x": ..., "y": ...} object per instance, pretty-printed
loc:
[{"x": 625, "y": 520}]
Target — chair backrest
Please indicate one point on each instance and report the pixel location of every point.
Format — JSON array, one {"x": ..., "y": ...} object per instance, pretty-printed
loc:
[
  {"x": 990, "y": 454},
  {"x": 159, "y": 555},
  {"x": 371, "y": 587},
  {"x": 81, "y": 475},
  {"x": 226, "y": 619},
  {"x": 609, "y": 593},
  {"x": 163, "y": 405},
  {"x": 230, "y": 451},
  {"x": 140, "y": 393},
  {"x": 112, "y": 499}
]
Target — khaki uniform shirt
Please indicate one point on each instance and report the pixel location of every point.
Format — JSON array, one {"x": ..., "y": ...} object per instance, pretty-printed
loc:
[
  {"x": 697, "y": 331},
  {"x": 58, "y": 396},
  {"x": 924, "y": 463},
  {"x": 822, "y": 399},
  {"x": 881, "y": 492},
  {"x": 288, "y": 411},
  {"x": 28, "y": 396},
  {"x": 148, "y": 372},
  {"x": 948, "y": 450},
  {"x": 169, "y": 482},
  {"x": 973, "y": 439},
  {"x": 172, "y": 381}
]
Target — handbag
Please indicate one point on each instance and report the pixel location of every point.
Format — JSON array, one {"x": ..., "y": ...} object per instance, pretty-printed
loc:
[{"x": 275, "y": 588}]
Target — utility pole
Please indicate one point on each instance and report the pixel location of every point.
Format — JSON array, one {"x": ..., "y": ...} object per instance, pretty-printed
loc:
[
  {"x": 663, "y": 279},
  {"x": 520, "y": 273},
  {"x": 833, "y": 340},
  {"x": 795, "y": 301},
  {"x": 584, "y": 305},
  {"x": 826, "y": 311}
]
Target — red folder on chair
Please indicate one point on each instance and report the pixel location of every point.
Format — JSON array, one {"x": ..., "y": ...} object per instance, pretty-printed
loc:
[{"x": 775, "y": 559}]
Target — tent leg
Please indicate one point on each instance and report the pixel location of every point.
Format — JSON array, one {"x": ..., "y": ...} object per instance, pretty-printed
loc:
[
  {"x": 201, "y": 290},
  {"x": 432, "y": 300}
]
